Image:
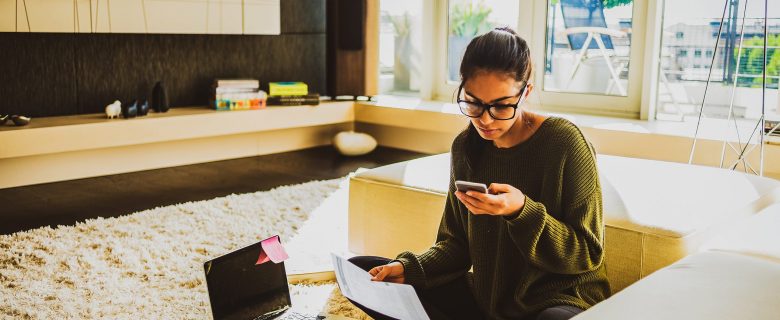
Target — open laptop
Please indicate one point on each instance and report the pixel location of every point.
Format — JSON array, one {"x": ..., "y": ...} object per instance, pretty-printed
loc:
[{"x": 239, "y": 289}]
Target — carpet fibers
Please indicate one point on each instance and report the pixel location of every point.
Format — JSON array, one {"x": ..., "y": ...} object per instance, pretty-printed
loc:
[{"x": 149, "y": 264}]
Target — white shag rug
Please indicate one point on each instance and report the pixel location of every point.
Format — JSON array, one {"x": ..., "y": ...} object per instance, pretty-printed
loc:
[{"x": 149, "y": 264}]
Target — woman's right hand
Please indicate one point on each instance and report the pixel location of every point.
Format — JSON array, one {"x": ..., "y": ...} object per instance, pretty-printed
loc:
[{"x": 391, "y": 272}]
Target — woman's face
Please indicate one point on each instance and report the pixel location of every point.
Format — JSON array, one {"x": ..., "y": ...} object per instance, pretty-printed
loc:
[{"x": 494, "y": 88}]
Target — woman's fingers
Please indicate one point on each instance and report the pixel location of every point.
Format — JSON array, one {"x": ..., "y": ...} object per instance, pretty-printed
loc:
[
  {"x": 482, "y": 197},
  {"x": 465, "y": 199},
  {"x": 383, "y": 273},
  {"x": 496, "y": 188},
  {"x": 484, "y": 202},
  {"x": 470, "y": 205},
  {"x": 376, "y": 273},
  {"x": 388, "y": 273}
]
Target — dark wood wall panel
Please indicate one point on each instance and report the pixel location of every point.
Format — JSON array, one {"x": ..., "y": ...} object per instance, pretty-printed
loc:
[
  {"x": 187, "y": 64},
  {"x": 303, "y": 16},
  {"x": 346, "y": 52},
  {"x": 37, "y": 74},
  {"x": 62, "y": 74}
]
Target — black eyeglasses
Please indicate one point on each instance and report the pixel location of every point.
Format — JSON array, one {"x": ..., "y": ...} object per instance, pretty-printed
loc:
[{"x": 498, "y": 111}]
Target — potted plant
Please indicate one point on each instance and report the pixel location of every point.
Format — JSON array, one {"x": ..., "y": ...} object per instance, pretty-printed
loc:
[
  {"x": 467, "y": 20},
  {"x": 404, "y": 53}
]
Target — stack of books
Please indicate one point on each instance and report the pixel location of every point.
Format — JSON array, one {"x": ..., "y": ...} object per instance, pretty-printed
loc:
[
  {"x": 238, "y": 94},
  {"x": 291, "y": 94}
]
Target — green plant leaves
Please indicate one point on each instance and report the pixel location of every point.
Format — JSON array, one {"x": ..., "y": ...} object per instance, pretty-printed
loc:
[{"x": 469, "y": 20}]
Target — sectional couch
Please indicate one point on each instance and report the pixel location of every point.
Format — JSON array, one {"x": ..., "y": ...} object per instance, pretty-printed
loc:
[{"x": 656, "y": 213}]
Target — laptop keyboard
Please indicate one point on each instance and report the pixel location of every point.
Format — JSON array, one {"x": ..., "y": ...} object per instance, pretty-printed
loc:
[
  {"x": 291, "y": 315},
  {"x": 300, "y": 316}
]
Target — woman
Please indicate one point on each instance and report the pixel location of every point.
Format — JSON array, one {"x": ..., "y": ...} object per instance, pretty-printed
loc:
[{"x": 534, "y": 243}]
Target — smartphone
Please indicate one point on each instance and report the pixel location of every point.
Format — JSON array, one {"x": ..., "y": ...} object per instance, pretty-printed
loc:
[{"x": 464, "y": 186}]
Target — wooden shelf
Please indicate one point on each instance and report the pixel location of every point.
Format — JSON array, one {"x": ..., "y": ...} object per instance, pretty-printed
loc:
[{"x": 94, "y": 131}]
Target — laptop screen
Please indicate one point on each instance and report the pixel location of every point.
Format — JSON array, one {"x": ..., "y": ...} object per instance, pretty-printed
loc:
[{"x": 239, "y": 289}]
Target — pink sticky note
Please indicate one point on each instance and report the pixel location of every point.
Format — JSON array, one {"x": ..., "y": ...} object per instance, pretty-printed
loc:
[
  {"x": 272, "y": 250},
  {"x": 263, "y": 258}
]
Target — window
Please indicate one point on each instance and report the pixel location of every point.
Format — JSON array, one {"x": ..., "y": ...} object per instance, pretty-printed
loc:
[
  {"x": 595, "y": 61},
  {"x": 658, "y": 76},
  {"x": 470, "y": 18},
  {"x": 400, "y": 45},
  {"x": 681, "y": 82}
]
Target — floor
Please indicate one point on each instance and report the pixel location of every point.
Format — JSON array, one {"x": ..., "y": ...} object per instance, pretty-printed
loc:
[{"x": 68, "y": 202}]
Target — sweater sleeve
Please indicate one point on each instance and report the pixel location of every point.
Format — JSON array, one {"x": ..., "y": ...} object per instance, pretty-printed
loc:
[
  {"x": 571, "y": 241},
  {"x": 449, "y": 257}
]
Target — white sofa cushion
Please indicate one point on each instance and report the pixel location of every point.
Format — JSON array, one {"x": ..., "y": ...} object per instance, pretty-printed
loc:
[
  {"x": 673, "y": 199},
  {"x": 705, "y": 285},
  {"x": 758, "y": 235},
  {"x": 430, "y": 173}
]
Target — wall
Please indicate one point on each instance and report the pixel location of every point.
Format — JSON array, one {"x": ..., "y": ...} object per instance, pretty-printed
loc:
[{"x": 50, "y": 74}]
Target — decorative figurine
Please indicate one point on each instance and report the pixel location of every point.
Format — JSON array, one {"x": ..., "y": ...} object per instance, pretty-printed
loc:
[
  {"x": 159, "y": 98},
  {"x": 130, "y": 110},
  {"x": 17, "y": 120},
  {"x": 143, "y": 108},
  {"x": 113, "y": 110}
]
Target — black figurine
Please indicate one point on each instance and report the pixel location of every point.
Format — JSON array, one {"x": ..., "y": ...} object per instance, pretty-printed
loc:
[
  {"x": 160, "y": 98},
  {"x": 130, "y": 110},
  {"x": 143, "y": 108}
]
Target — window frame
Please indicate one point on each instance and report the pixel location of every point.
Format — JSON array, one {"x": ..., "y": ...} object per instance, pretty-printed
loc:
[
  {"x": 442, "y": 89},
  {"x": 647, "y": 18}
]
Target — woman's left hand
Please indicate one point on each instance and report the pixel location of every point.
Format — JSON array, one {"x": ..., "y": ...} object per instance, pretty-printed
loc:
[{"x": 501, "y": 200}]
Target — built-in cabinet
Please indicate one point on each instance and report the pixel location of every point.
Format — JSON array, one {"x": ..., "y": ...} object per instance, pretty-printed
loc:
[{"x": 142, "y": 16}]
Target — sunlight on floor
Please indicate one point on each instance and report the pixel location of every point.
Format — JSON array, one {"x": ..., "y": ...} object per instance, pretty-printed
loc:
[
  {"x": 324, "y": 232},
  {"x": 313, "y": 289}
]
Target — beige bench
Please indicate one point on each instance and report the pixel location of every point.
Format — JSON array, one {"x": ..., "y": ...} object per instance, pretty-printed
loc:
[{"x": 655, "y": 212}]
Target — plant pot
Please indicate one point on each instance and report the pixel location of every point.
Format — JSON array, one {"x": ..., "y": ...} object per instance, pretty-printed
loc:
[
  {"x": 400, "y": 67},
  {"x": 456, "y": 47}
]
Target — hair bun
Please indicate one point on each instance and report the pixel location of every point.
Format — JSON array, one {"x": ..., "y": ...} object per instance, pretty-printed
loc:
[
  {"x": 506, "y": 29},
  {"x": 500, "y": 50}
]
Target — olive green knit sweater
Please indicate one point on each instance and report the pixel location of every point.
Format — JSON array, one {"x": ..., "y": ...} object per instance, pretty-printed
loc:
[{"x": 551, "y": 253}]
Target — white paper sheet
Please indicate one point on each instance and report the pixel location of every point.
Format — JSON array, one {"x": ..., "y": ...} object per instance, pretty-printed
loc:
[{"x": 399, "y": 301}]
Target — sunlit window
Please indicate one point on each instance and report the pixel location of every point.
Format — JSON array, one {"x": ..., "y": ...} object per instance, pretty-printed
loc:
[
  {"x": 683, "y": 78},
  {"x": 469, "y": 18},
  {"x": 588, "y": 46},
  {"x": 400, "y": 43}
]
